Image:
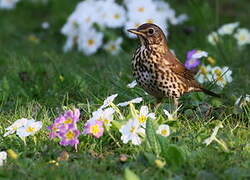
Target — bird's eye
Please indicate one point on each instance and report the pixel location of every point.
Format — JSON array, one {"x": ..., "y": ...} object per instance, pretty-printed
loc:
[{"x": 151, "y": 31}]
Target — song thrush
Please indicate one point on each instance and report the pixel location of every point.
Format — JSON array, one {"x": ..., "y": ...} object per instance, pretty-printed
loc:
[{"x": 157, "y": 70}]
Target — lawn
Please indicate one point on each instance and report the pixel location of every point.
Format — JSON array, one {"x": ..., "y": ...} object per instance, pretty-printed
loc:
[{"x": 38, "y": 80}]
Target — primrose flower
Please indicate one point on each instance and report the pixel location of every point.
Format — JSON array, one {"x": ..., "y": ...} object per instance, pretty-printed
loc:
[
  {"x": 204, "y": 74},
  {"x": 171, "y": 116},
  {"x": 108, "y": 101},
  {"x": 191, "y": 62},
  {"x": 133, "y": 101},
  {"x": 227, "y": 28},
  {"x": 242, "y": 101},
  {"x": 222, "y": 76},
  {"x": 30, "y": 128},
  {"x": 213, "y": 135},
  {"x": 64, "y": 122},
  {"x": 144, "y": 115},
  {"x": 94, "y": 127},
  {"x": 242, "y": 36},
  {"x": 213, "y": 38},
  {"x": 132, "y": 132},
  {"x": 113, "y": 46},
  {"x": 3, "y": 157},
  {"x": 16, "y": 125},
  {"x": 69, "y": 137},
  {"x": 163, "y": 130},
  {"x": 132, "y": 84},
  {"x": 106, "y": 116},
  {"x": 199, "y": 54}
]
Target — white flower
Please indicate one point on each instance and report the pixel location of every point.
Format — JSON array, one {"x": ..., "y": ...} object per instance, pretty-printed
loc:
[
  {"x": 242, "y": 100},
  {"x": 115, "y": 15},
  {"x": 163, "y": 130},
  {"x": 228, "y": 28},
  {"x": 213, "y": 38},
  {"x": 171, "y": 116},
  {"x": 213, "y": 136},
  {"x": 199, "y": 54},
  {"x": 132, "y": 84},
  {"x": 179, "y": 20},
  {"x": 106, "y": 116},
  {"x": 8, "y": 4},
  {"x": 204, "y": 74},
  {"x": 222, "y": 76},
  {"x": 131, "y": 132},
  {"x": 16, "y": 125},
  {"x": 242, "y": 36},
  {"x": 45, "y": 25},
  {"x": 108, "y": 101},
  {"x": 113, "y": 46},
  {"x": 3, "y": 157},
  {"x": 89, "y": 41},
  {"x": 144, "y": 115},
  {"x": 133, "y": 101},
  {"x": 30, "y": 128}
]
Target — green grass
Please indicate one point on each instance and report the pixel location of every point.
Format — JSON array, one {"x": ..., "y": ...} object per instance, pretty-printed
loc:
[{"x": 30, "y": 86}]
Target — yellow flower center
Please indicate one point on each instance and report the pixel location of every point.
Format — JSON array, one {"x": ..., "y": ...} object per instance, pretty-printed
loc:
[
  {"x": 219, "y": 75},
  {"x": 142, "y": 119},
  {"x": 69, "y": 135},
  {"x": 132, "y": 130},
  {"x": 113, "y": 48},
  {"x": 94, "y": 129},
  {"x": 91, "y": 42},
  {"x": 242, "y": 38},
  {"x": 30, "y": 129},
  {"x": 141, "y": 9},
  {"x": 87, "y": 19},
  {"x": 164, "y": 132},
  {"x": 203, "y": 70},
  {"x": 68, "y": 121},
  {"x": 117, "y": 16}
]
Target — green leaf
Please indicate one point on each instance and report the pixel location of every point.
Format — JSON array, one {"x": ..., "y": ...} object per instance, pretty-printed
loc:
[
  {"x": 174, "y": 155},
  {"x": 152, "y": 137},
  {"x": 130, "y": 175}
]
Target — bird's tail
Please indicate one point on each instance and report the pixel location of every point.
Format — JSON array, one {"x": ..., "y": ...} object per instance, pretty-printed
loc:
[{"x": 210, "y": 93}]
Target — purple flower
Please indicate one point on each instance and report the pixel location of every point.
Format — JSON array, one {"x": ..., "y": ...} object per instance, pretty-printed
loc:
[
  {"x": 64, "y": 122},
  {"x": 191, "y": 62},
  {"x": 69, "y": 137},
  {"x": 94, "y": 127}
]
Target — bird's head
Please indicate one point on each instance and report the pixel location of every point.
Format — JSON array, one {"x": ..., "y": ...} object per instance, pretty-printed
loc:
[{"x": 149, "y": 34}]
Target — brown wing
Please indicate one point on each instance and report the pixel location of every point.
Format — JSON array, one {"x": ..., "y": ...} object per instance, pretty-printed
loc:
[{"x": 178, "y": 68}]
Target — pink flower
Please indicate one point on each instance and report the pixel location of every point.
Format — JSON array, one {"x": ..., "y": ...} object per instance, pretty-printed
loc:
[
  {"x": 64, "y": 122},
  {"x": 94, "y": 127},
  {"x": 69, "y": 137}
]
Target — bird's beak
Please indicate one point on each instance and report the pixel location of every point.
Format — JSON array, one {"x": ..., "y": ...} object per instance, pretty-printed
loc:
[{"x": 135, "y": 31}]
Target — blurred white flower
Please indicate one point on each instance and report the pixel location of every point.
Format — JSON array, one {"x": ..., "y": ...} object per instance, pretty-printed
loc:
[
  {"x": 133, "y": 101},
  {"x": 90, "y": 41},
  {"x": 113, "y": 47},
  {"x": 204, "y": 74},
  {"x": 213, "y": 38},
  {"x": 108, "y": 101},
  {"x": 144, "y": 115},
  {"x": 163, "y": 130},
  {"x": 30, "y": 128},
  {"x": 213, "y": 135},
  {"x": 45, "y": 25},
  {"x": 106, "y": 116},
  {"x": 16, "y": 125},
  {"x": 227, "y": 28},
  {"x": 3, "y": 157},
  {"x": 242, "y": 36},
  {"x": 132, "y": 84},
  {"x": 140, "y": 8},
  {"x": 242, "y": 100},
  {"x": 171, "y": 116},
  {"x": 179, "y": 20},
  {"x": 132, "y": 132},
  {"x": 8, "y": 4},
  {"x": 222, "y": 76},
  {"x": 199, "y": 54}
]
